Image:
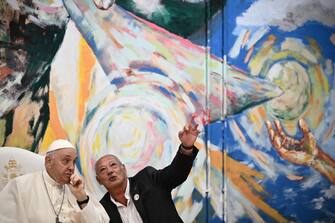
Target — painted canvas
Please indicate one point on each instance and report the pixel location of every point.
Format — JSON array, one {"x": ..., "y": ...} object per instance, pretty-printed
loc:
[
  {"x": 284, "y": 147},
  {"x": 124, "y": 76}
]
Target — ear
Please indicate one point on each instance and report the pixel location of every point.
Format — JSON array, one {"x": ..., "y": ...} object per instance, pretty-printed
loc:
[
  {"x": 47, "y": 160},
  {"x": 124, "y": 169}
]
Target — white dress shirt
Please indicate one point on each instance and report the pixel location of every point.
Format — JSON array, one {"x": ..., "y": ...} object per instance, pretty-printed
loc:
[{"x": 129, "y": 213}]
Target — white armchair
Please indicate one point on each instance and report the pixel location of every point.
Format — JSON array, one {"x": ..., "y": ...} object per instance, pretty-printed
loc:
[{"x": 15, "y": 162}]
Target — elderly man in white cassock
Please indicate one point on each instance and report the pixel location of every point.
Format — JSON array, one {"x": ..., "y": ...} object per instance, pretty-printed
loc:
[{"x": 53, "y": 195}]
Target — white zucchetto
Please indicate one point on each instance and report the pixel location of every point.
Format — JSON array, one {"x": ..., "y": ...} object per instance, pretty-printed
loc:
[{"x": 60, "y": 144}]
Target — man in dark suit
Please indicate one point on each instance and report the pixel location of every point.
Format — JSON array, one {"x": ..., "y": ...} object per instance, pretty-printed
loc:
[{"x": 146, "y": 197}]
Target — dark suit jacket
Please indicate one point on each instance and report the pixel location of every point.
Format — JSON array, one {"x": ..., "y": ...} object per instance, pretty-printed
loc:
[{"x": 152, "y": 189}]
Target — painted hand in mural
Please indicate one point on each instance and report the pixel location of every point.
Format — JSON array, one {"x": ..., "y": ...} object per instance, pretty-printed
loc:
[{"x": 304, "y": 151}]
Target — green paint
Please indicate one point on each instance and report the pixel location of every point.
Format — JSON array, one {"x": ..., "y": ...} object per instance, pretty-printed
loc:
[
  {"x": 37, "y": 47},
  {"x": 180, "y": 17},
  {"x": 38, "y": 129}
]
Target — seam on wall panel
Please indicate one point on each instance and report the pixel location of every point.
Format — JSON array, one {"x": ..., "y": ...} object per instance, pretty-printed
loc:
[
  {"x": 225, "y": 47},
  {"x": 207, "y": 107}
]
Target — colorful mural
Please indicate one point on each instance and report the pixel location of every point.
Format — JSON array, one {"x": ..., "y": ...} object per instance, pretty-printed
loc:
[
  {"x": 30, "y": 35},
  {"x": 286, "y": 142},
  {"x": 123, "y": 77}
]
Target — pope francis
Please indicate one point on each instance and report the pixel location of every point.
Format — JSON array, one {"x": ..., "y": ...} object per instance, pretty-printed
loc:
[{"x": 52, "y": 195}]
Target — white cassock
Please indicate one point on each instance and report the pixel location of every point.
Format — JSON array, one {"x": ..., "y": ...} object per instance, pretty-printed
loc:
[{"x": 25, "y": 200}]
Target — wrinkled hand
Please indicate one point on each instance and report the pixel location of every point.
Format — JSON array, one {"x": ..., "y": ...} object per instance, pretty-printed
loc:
[
  {"x": 302, "y": 152},
  {"x": 77, "y": 187},
  {"x": 188, "y": 135}
]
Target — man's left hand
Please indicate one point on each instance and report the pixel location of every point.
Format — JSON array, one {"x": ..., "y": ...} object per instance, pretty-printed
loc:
[{"x": 188, "y": 135}]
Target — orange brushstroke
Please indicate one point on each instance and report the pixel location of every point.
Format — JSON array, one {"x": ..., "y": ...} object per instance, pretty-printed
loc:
[
  {"x": 294, "y": 177},
  {"x": 257, "y": 118},
  {"x": 262, "y": 112},
  {"x": 54, "y": 129},
  {"x": 320, "y": 117},
  {"x": 243, "y": 179},
  {"x": 245, "y": 38},
  {"x": 329, "y": 131},
  {"x": 216, "y": 159},
  {"x": 332, "y": 38},
  {"x": 315, "y": 46},
  {"x": 260, "y": 156},
  {"x": 247, "y": 57},
  {"x": 238, "y": 130},
  {"x": 86, "y": 63},
  {"x": 271, "y": 39},
  {"x": 20, "y": 136}
]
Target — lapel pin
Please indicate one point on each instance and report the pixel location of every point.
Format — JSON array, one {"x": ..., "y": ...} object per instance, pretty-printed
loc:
[{"x": 136, "y": 197}]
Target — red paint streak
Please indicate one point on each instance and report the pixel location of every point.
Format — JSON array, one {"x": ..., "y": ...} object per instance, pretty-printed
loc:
[
  {"x": 204, "y": 117},
  {"x": 232, "y": 97},
  {"x": 215, "y": 100},
  {"x": 4, "y": 72}
]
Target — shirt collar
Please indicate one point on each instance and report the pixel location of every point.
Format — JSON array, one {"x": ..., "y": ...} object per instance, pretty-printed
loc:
[
  {"x": 126, "y": 194},
  {"x": 49, "y": 180}
]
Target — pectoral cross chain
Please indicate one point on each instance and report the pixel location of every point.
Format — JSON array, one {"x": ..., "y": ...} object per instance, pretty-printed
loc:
[{"x": 57, "y": 220}]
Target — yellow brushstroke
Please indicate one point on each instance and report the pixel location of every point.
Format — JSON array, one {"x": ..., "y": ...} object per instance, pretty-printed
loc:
[
  {"x": 257, "y": 62},
  {"x": 315, "y": 46},
  {"x": 83, "y": 165},
  {"x": 321, "y": 78},
  {"x": 262, "y": 55},
  {"x": 159, "y": 150},
  {"x": 257, "y": 118},
  {"x": 289, "y": 53},
  {"x": 54, "y": 129},
  {"x": 97, "y": 144}
]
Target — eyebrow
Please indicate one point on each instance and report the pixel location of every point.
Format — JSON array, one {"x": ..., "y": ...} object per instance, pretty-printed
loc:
[
  {"x": 109, "y": 162},
  {"x": 69, "y": 156},
  {"x": 101, "y": 167}
]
